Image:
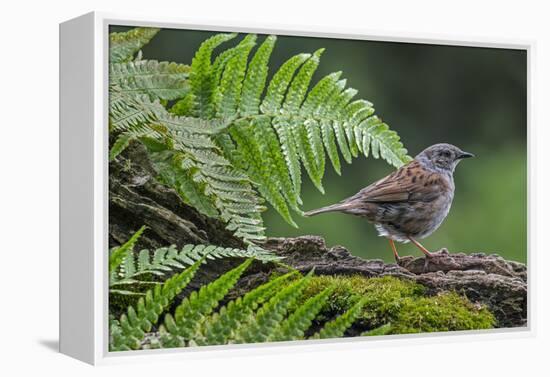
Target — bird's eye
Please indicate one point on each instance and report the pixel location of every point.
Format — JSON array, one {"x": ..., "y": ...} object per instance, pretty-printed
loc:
[{"x": 446, "y": 154}]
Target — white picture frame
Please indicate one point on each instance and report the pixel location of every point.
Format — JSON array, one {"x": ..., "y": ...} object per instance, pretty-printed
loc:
[{"x": 84, "y": 189}]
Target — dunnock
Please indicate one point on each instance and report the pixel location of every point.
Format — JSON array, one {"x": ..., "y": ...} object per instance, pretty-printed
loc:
[{"x": 410, "y": 203}]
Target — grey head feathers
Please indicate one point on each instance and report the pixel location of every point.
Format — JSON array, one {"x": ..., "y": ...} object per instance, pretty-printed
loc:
[{"x": 442, "y": 158}]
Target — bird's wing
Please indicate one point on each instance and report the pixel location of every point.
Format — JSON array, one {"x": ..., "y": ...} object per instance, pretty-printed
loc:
[{"x": 409, "y": 183}]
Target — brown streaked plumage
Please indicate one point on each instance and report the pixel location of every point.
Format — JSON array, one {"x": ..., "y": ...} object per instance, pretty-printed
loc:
[{"x": 411, "y": 202}]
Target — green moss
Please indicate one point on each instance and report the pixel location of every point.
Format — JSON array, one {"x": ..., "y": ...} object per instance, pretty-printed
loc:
[
  {"x": 444, "y": 312},
  {"x": 400, "y": 303}
]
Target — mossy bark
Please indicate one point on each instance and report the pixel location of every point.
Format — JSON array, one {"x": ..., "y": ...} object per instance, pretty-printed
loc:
[
  {"x": 484, "y": 279},
  {"x": 136, "y": 198}
]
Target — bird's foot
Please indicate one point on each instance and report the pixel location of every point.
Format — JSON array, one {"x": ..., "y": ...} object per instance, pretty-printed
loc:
[
  {"x": 434, "y": 257},
  {"x": 443, "y": 252}
]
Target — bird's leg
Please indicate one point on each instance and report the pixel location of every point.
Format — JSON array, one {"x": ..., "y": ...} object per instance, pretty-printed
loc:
[
  {"x": 422, "y": 248},
  {"x": 392, "y": 244}
]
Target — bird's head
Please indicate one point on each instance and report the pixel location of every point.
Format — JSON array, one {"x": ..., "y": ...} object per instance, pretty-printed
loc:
[{"x": 442, "y": 157}]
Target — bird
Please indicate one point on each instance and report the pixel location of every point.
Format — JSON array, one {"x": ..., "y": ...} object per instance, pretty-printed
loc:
[{"x": 410, "y": 203}]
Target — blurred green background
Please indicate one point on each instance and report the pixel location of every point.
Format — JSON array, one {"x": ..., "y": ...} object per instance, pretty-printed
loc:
[{"x": 475, "y": 98}]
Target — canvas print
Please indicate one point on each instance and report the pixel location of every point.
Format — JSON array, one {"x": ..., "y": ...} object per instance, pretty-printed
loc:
[{"x": 269, "y": 188}]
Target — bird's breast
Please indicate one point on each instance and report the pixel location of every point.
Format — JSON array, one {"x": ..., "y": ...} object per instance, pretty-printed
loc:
[{"x": 416, "y": 218}]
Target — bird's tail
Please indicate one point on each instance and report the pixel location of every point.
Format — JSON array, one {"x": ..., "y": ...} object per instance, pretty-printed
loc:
[{"x": 339, "y": 207}]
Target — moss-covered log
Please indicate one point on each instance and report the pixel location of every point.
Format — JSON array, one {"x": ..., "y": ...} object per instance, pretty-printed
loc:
[{"x": 485, "y": 279}]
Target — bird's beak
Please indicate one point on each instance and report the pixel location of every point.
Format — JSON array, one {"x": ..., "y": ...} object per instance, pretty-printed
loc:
[{"x": 465, "y": 155}]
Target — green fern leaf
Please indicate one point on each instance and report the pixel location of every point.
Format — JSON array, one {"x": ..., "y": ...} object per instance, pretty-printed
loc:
[
  {"x": 306, "y": 125},
  {"x": 136, "y": 270},
  {"x": 382, "y": 330},
  {"x": 294, "y": 327},
  {"x": 310, "y": 148},
  {"x": 232, "y": 78},
  {"x": 162, "y": 80},
  {"x": 183, "y": 107},
  {"x": 201, "y": 78},
  {"x": 337, "y": 327},
  {"x": 382, "y": 142},
  {"x": 132, "y": 326},
  {"x": 221, "y": 327},
  {"x": 197, "y": 170},
  {"x": 172, "y": 173},
  {"x": 298, "y": 88},
  {"x": 288, "y": 147},
  {"x": 193, "y": 309},
  {"x": 306, "y": 136},
  {"x": 256, "y": 76},
  {"x": 356, "y": 112},
  {"x": 126, "y": 112},
  {"x": 260, "y": 173},
  {"x": 272, "y": 313},
  {"x": 118, "y": 254},
  {"x": 168, "y": 340},
  {"x": 330, "y": 145},
  {"x": 340, "y": 107},
  {"x": 121, "y": 143},
  {"x": 337, "y": 121},
  {"x": 279, "y": 83},
  {"x": 274, "y": 158},
  {"x": 317, "y": 97},
  {"x": 123, "y": 46}
]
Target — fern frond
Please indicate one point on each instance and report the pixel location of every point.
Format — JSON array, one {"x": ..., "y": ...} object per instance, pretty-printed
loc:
[
  {"x": 382, "y": 330},
  {"x": 131, "y": 117},
  {"x": 256, "y": 76},
  {"x": 167, "y": 81},
  {"x": 193, "y": 309},
  {"x": 168, "y": 340},
  {"x": 123, "y": 46},
  {"x": 337, "y": 122},
  {"x": 306, "y": 134},
  {"x": 300, "y": 83},
  {"x": 120, "y": 144},
  {"x": 384, "y": 142},
  {"x": 337, "y": 327},
  {"x": 221, "y": 327},
  {"x": 118, "y": 254},
  {"x": 172, "y": 171},
  {"x": 127, "y": 112},
  {"x": 274, "y": 159},
  {"x": 134, "y": 268},
  {"x": 219, "y": 63},
  {"x": 193, "y": 164},
  {"x": 306, "y": 123},
  {"x": 258, "y": 170},
  {"x": 280, "y": 82},
  {"x": 283, "y": 129},
  {"x": 131, "y": 327},
  {"x": 202, "y": 77},
  {"x": 313, "y": 105},
  {"x": 232, "y": 79},
  {"x": 269, "y": 316},
  {"x": 184, "y": 106},
  {"x": 294, "y": 327},
  {"x": 187, "y": 125}
]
